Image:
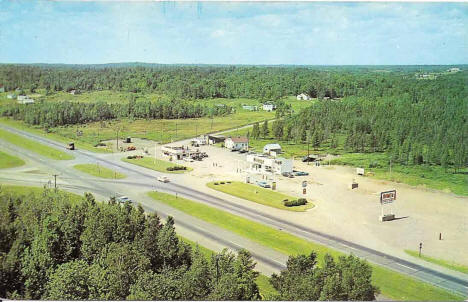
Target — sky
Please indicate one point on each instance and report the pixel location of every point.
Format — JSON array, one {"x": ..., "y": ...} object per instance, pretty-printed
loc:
[{"x": 300, "y": 33}]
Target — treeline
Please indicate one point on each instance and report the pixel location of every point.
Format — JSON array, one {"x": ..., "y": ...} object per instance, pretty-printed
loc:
[
  {"x": 428, "y": 126},
  {"x": 198, "y": 82},
  {"x": 54, "y": 248},
  {"x": 52, "y": 114}
]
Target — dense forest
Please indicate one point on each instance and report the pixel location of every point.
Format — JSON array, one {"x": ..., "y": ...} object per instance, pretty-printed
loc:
[
  {"x": 196, "y": 82},
  {"x": 52, "y": 114},
  {"x": 53, "y": 246}
]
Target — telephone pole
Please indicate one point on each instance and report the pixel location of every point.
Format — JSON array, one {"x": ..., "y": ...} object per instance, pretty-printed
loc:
[{"x": 55, "y": 182}]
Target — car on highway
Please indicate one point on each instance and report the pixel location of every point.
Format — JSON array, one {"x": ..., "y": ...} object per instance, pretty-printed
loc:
[
  {"x": 123, "y": 199},
  {"x": 263, "y": 184},
  {"x": 163, "y": 179},
  {"x": 300, "y": 173}
]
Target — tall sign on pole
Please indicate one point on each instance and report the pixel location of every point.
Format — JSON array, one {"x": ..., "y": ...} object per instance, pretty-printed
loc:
[{"x": 387, "y": 198}]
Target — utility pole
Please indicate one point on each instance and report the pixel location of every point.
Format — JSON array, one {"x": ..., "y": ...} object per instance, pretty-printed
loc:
[
  {"x": 55, "y": 182},
  {"x": 117, "y": 142}
]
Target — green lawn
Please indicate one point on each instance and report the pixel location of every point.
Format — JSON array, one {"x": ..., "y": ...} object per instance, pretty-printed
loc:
[
  {"x": 9, "y": 161},
  {"x": 392, "y": 284},
  {"x": 79, "y": 142},
  {"x": 36, "y": 191},
  {"x": 155, "y": 164},
  {"x": 28, "y": 144},
  {"x": 99, "y": 171},
  {"x": 266, "y": 289},
  {"x": 257, "y": 194},
  {"x": 448, "y": 264}
]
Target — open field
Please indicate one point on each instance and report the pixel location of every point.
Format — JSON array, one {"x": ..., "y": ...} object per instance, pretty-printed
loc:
[
  {"x": 80, "y": 143},
  {"x": 392, "y": 284},
  {"x": 448, "y": 264},
  {"x": 156, "y": 164},
  {"x": 36, "y": 191},
  {"x": 41, "y": 149},
  {"x": 266, "y": 289},
  {"x": 9, "y": 161},
  {"x": 99, "y": 171},
  {"x": 257, "y": 194}
]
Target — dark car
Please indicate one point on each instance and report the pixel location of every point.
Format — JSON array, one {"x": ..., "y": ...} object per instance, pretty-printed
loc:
[
  {"x": 307, "y": 159},
  {"x": 300, "y": 173}
]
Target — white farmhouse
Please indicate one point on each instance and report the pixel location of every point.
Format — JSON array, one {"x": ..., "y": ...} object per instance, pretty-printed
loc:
[
  {"x": 269, "y": 107},
  {"x": 237, "y": 143},
  {"x": 303, "y": 96},
  {"x": 260, "y": 163},
  {"x": 24, "y": 99},
  {"x": 270, "y": 148}
]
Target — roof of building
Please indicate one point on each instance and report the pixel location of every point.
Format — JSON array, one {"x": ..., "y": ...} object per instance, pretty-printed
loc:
[
  {"x": 240, "y": 139},
  {"x": 272, "y": 146}
]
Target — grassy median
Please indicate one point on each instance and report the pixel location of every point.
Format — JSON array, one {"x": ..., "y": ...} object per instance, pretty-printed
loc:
[
  {"x": 99, "y": 171},
  {"x": 392, "y": 284},
  {"x": 448, "y": 264},
  {"x": 257, "y": 194},
  {"x": 156, "y": 164},
  {"x": 9, "y": 161},
  {"x": 33, "y": 146}
]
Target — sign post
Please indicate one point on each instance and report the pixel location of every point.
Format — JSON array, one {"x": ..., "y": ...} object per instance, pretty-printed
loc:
[
  {"x": 387, "y": 197},
  {"x": 304, "y": 187}
]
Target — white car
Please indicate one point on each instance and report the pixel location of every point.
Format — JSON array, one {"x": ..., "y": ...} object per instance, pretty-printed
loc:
[
  {"x": 123, "y": 199},
  {"x": 188, "y": 159},
  {"x": 163, "y": 179}
]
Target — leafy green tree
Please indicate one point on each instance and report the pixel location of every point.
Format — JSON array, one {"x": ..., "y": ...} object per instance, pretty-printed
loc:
[
  {"x": 256, "y": 131},
  {"x": 70, "y": 281},
  {"x": 265, "y": 130}
]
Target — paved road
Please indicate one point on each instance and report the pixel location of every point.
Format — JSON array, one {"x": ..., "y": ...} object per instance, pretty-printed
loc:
[{"x": 268, "y": 260}]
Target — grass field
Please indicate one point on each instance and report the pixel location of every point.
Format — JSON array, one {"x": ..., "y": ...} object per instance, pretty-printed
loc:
[
  {"x": 392, "y": 284},
  {"x": 9, "y": 161},
  {"x": 448, "y": 264},
  {"x": 79, "y": 143},
  {"x": 99, "y": 171},
  {"x": 156, "y": 164},
  {"x": 33, "y": 146},
  {"x": 257, "y": 194},
  {"x": 36, "y": 191}
]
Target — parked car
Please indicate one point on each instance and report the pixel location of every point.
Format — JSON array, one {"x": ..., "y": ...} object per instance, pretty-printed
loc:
[
  {"x": 263, "y": 184},
  {"x": 188, "y": 159},
  {"x": 243, "y": 151},
  {"x": 309, "y": 158},
  {"x": 300, "y": 173},
  {"x": 163, "y": 179},
  {"x": 123, "y": 199},
  {"x": 287, "y": 174}
]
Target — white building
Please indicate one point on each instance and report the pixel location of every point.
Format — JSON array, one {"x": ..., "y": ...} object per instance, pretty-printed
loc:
[
  {"x": 259, "y": 163},
  {"x": 2, "y": 89},
  {"x": 11, "y": 96},
  {"x": 454, "y": 69},
  {"x": 175, "y": 152},
  {"x": 24, "y": 99},
  {"x": 303, "y": 96},
  {"x": 272, "y": 148},
  {"x": 237, "y": 143},
  {"x": 250, "y": 107},
  {"x": 269, "y": 107}
]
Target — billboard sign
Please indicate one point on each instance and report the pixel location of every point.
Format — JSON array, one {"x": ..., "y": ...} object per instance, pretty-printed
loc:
[
  {"x": 304, "y": 183},
  {"x": 387, "y": 196}
]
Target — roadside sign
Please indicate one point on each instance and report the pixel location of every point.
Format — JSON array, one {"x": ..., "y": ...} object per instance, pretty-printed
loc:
[
  {"x": 360, "y": 171},
  {"x": 387, "y": 196},
  {"x": 304, "y": 183},
  {"x": 304, "y": 191}
]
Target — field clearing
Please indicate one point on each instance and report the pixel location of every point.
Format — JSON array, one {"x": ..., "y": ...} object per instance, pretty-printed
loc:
[
  {"x": 9, "y": 161},
  {"x": 258, "y": 194},
  {"x": 33, "y": 146},
  {"x": 79, "y": 143},
  {"x": 263, "y": 282},
  {"x": 99, "y": 171},
  {"x": 156, "y": 164},
  {"x": 448, "y": 264},
  {"x": 392, "y": 284},
  {"x": 36, "y": 191}
]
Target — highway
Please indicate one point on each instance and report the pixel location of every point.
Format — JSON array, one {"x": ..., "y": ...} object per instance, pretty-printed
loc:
[{"x": 141, "y": 180}]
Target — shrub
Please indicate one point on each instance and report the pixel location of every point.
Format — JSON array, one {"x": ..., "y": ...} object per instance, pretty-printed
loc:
[
  {"x": 216, "y": 183},
  {"x": 295, "y": 203},
  {"x": 222, "y": 182},
  {"x": 170, "y": 168}
]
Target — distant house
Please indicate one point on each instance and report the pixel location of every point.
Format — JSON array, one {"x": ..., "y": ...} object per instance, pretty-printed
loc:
[
  {"x": 74, "y": 91},
  {"x": 237, "y": 143},
  {"x": 2, "y": 88},
  {"x": 269, "y": 107},
  {"x": 454, "y": 69},
  {"x": 303, "y": 96},
  {"x": 24, "y": 99},
  {"x": 11, "y": 96},
  {"x": 272, "y": 149},
  {"x": 250, "y": 107}
]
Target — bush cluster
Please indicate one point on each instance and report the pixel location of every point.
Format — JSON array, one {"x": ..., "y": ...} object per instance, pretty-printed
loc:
[
  {"x": 294, "y": 203},
  {"x": 176, "y": 168}
]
